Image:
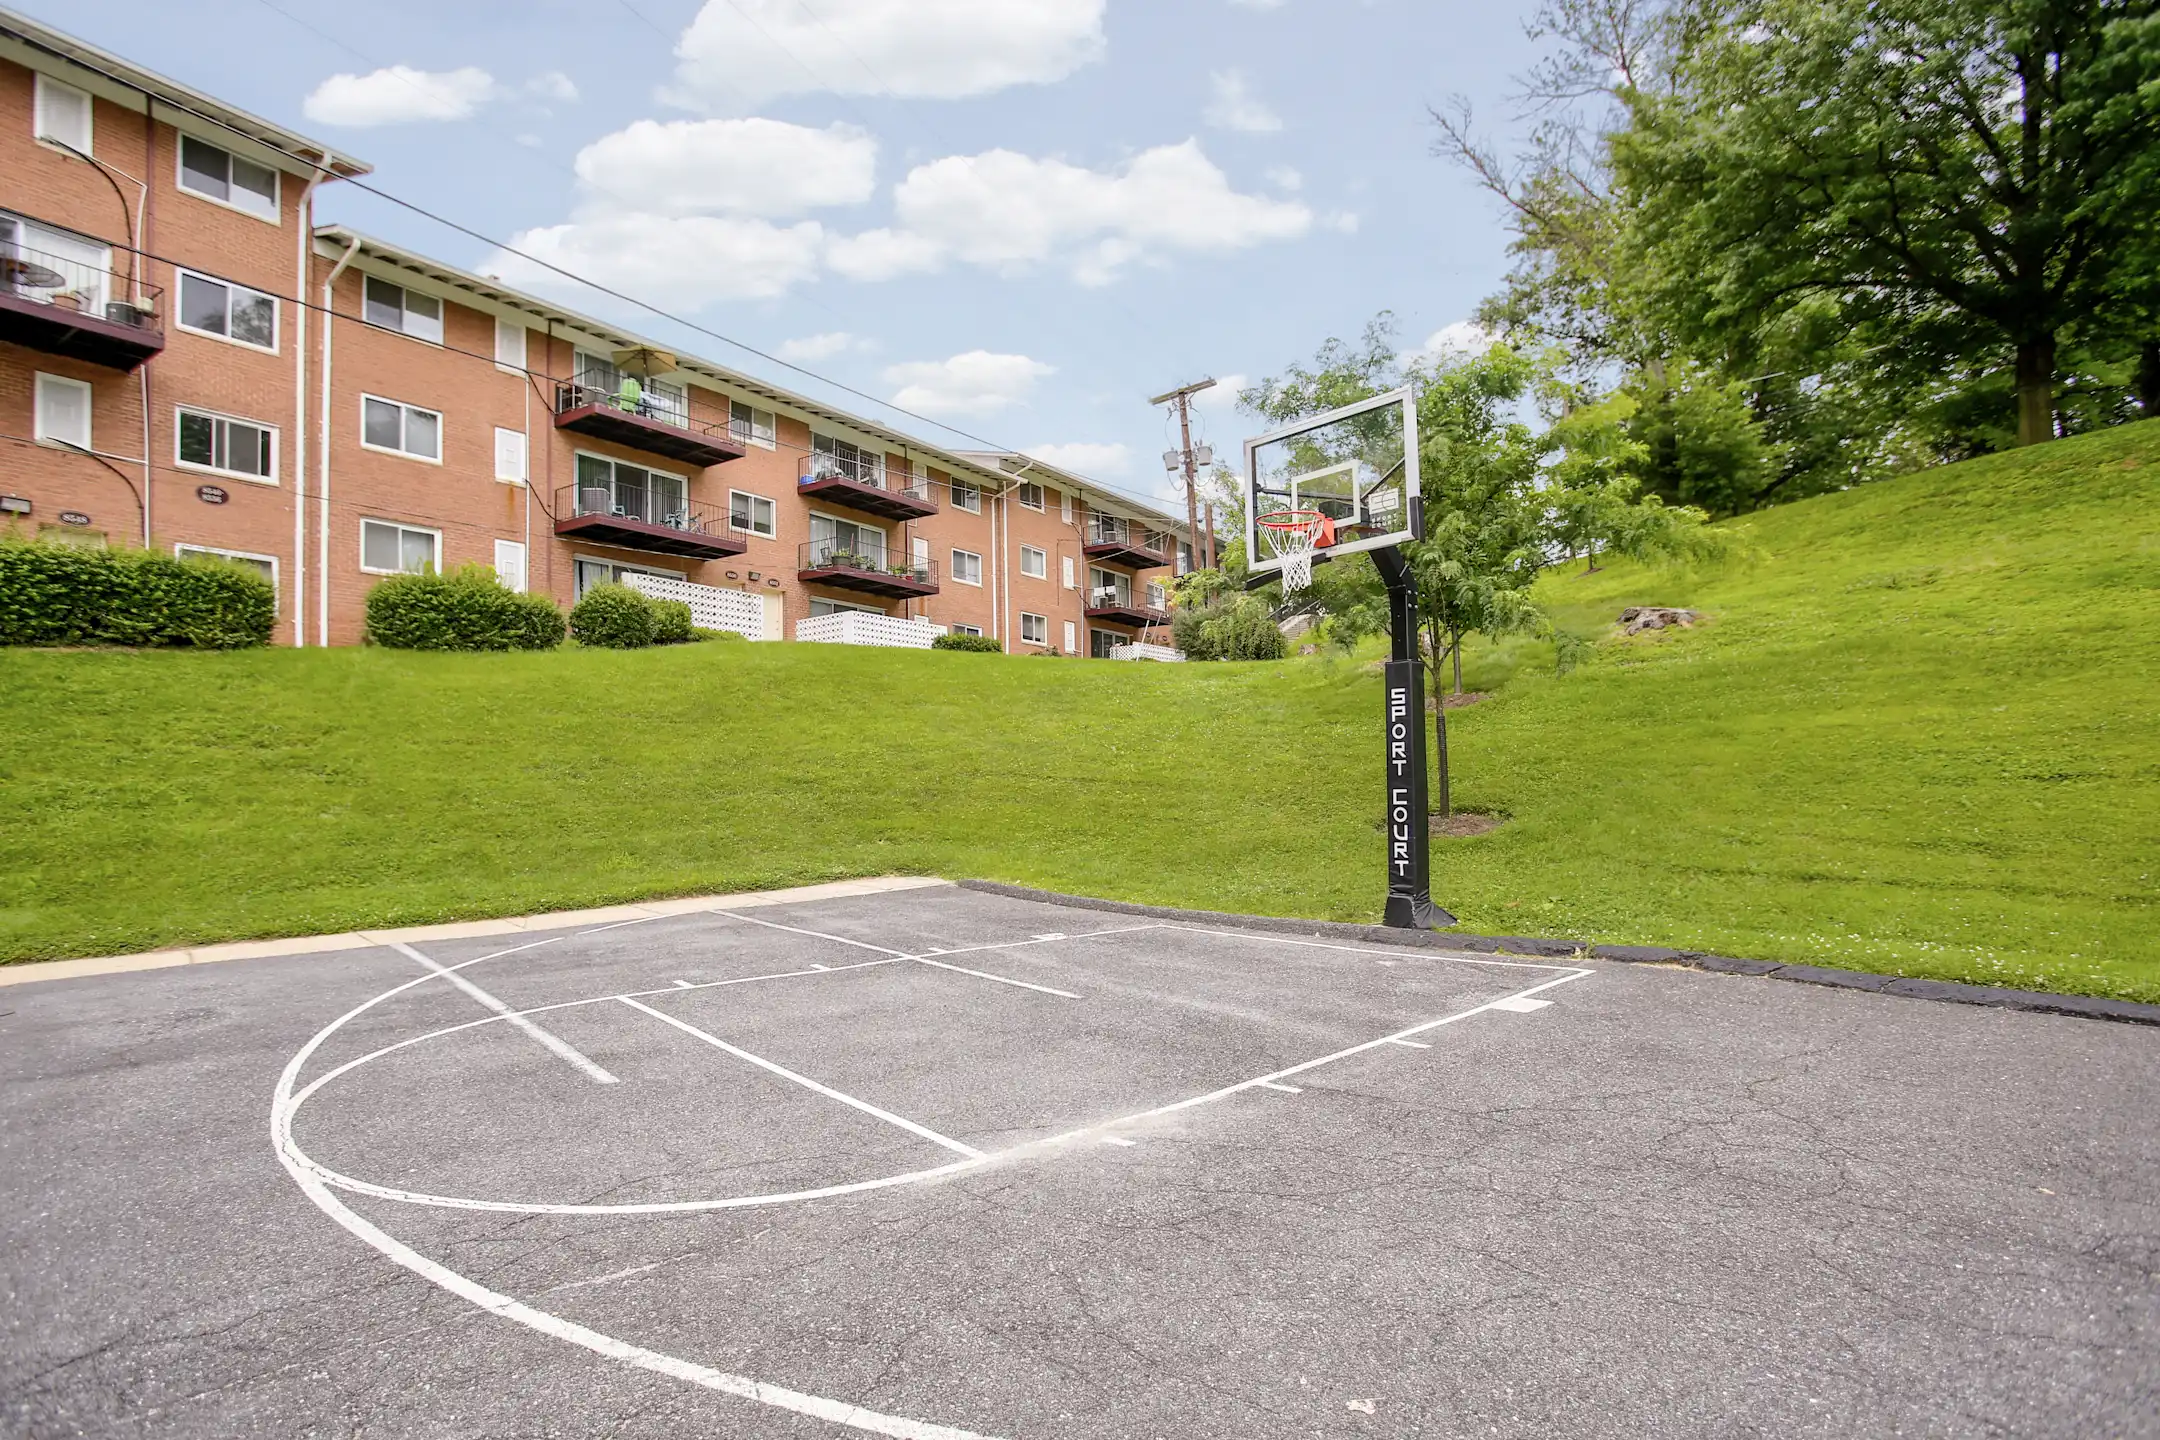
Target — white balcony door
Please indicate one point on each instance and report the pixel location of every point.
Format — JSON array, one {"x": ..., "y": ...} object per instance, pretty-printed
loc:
[{"x": 830, "y": 535}]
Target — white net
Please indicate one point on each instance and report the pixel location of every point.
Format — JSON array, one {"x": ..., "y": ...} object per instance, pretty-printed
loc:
[{"x": 1293, "y": 536}]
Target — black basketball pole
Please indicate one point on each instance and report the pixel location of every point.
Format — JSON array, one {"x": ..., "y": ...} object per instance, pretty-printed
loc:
[{"x": 1409, "y": 823}]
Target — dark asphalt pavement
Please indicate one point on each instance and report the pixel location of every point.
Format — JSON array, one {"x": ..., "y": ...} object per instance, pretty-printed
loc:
[{"x": 1640, "y": 1202}]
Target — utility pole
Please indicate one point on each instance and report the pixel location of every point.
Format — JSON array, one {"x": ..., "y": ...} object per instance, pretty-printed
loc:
[{"x": 1182, "y": 458}]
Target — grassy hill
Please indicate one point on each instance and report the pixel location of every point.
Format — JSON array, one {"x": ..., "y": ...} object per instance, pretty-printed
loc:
[{"x": 1921, "y": 734}]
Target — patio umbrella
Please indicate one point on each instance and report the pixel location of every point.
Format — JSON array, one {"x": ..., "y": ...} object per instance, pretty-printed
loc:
[{"x": 644, "y": 361}]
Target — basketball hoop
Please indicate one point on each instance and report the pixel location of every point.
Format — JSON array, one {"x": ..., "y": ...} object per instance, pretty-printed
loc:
[{"x": 1294, "y": 535}]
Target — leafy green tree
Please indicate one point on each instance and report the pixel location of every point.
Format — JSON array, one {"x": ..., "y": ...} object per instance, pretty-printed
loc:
[{"x": 1953, "y": 176}]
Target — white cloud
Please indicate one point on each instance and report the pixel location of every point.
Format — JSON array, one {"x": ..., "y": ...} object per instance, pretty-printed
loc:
[
  {"x": 688, "y": 261},
  {"x": 399, "y": 95},
  {"x": 976, "y": 383},
  {"x": 1457, "y": 341},
  {"x": 739, "y": 53},
  {"x": 1233, "y": 106},
  {"x": 1086, "y": 457},
  {"x": 809, "y": 349},
  {"x": 744, "y": 167},
  {"x": 1282, "y": 177},
  {"x": 1342, "y": 222},
  {"x": 553, "y": 85},
  {"x": 1009, "y": 212},
  {"x": 1220, "y": 401}
]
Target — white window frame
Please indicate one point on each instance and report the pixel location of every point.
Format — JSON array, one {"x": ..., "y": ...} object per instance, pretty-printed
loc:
[
  {"x": 524, "y": 453},
  {"x": 1072, "y": 637},
  {"x": 367, "y": 520},
  {"x": 1041, "y": 570},
  {"x": 833, "y": 606},
  {"x": 579, "y": 556},
  {"x": 276, "y": 447},
  {"x": 1021, "y": 495},
  {"x": 1042, "y": 624},
  {"x": 1158, "y": 595},
  {"x": 406, "y": 314},
  {"x": 524, "y": 561},
  {"x": 959, "y": 629},
  {"x": 771, "y": 438},
  {"x": 1067, "y": 572},
  {"x": 38, "y": 428},
  {"x": 41, "y": 110},
  {"x": 755, "y": 500},
  {"x": 277, "y": 181},
  {"x": 1065, "y": 506},
  {"x": 958, "y": 488},
  {"x": 277, "y": 311},
  {"x": 975, "y": 559},
  {"x": 509, "y": 358},
  {"x": 441, "y": 431},
  {"x": 183, "y": 549}
]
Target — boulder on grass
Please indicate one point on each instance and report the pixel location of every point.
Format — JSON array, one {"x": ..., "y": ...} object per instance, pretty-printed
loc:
[{"x": 1638, "y": 618}]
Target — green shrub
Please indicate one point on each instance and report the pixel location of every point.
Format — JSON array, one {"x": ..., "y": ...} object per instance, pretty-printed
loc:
[
  {"x": 614, "y": 617},
  {"x": 982, "y": 643},
  {"x": 54, "y": 594},
  {"x": 466, "y": 610},
  {"x": 671, "y": 622},
  {"x": 1233, "y": 627},
  {"x": 730, "y": 636}
]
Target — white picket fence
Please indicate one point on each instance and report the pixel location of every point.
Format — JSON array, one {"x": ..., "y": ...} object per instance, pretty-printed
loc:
[
  {"x": 1145, "y": 652},
  {"x": 712, "y": 608},
  {"x": 857, "y": 627}
]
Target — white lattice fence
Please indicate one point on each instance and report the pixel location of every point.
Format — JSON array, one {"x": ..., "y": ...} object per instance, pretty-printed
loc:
[
  {"x": 1145, "y": 652},
  {"x": 857, "y": 627},
  {"x": 711, "y": 608}
]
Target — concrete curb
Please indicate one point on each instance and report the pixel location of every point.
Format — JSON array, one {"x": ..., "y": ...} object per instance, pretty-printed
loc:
[{"x": 2085, "y": 1007}]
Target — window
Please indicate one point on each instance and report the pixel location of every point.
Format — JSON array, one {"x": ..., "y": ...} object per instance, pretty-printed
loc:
[
  {"x": 958, "y": 629},
  {"x": 843, "y": 544},
  {"x": 966, "y": 497},
  {"x": 63, "y": 114},
  {"x": 63, "y": 411},
  {"x": 228, "y": 311},
  {"x": 1107, "y": 588},
  {"x": 393, "y": 307},
  {"x": 82, "y": 267},
  {"x": 509, "y": 345},
  {"x": 1184, "y": 557},
  {"x": 222, "y": 176},
  {"x": 751, "y": 425},
  {"x": 1072, "y": 643},
  {"x": 1034, "y": 563},
  {"x": 1031, "y": 495},
  {"x": 510, "y": 447},
  {"x": 1034, "y": 629},
  {"x": 387, "y": 548},
  {"x": 510, "y": 564},
  {"x": 833, "y": 457},
  {"x": 600, "y": 382},
  {"x": 1101, "y": 642},
  {"x": 966, "y": 567},
  {"x": 1065, "y": 570},
  {"x": 1157, "y": 597},
  {"x": 819, "y": 605},
  {"x": 613, "y": 487},
  {"x": 227, "y": 446},
  {"x": 592, "y": 572},
  {"x": 1065, "y": 506},
  {"x": 752, "y": 514},
  {"x": 404, "y": 429},
  {"x": 263, "y": 565}
]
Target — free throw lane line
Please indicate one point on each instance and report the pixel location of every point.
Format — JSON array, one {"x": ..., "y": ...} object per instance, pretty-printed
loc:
[
  {"x": 807, "y": 1083},
  {"x": 1001, "y": 979},
  {"x": 558, "y": 1046}
]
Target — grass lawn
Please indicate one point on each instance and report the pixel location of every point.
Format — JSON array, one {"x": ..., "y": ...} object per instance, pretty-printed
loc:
[{"x": 1919, "y": 735}]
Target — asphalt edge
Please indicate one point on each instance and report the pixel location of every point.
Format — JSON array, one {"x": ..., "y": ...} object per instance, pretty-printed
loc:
[{"x": 2083, "y": 1007}]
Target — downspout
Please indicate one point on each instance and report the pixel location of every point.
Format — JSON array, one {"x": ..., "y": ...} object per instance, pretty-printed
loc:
[
  {"x": 299, "y": 461},
  {"x": 322, "y": 458}
]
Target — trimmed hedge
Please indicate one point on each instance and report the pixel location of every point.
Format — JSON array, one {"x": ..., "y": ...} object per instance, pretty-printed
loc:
[
  {"x": 1231, "y": 627},
  {"x": 982, "y": 643},
  {"x": 74, "y": 595},
  {"x": 466, "y": 610},
  {"x": 671, "y": 622},
  {"x": 617, "y": 617}
]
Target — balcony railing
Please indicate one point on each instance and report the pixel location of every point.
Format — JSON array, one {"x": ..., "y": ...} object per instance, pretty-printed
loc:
[
  {"x": 872, "y": 569},
  {"x": 1120, "y": 542},
  {"x": 644, "y": 519},
  {"x": 655, "y": 423},
  {"x": 65, "y": 306},
  {"x": 866, "y": 485},
  {"x": 1108, "y": 602}
]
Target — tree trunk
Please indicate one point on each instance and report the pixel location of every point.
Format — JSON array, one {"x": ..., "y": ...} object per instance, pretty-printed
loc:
[
  {"x": 2036, "y": 390},
  {"x": 2148, "y": 377},
  {"x": 1455, "y": 646},
  {"x": 1434, "y": 683}
]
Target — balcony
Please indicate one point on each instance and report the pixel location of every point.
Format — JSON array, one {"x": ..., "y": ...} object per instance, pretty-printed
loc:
[
  {"x": 66, "y": 307},
  {"x": 864, "y": 485},
  {"x": 1120, "y": 542},
  {"x": 1116, "y": 606},
  {"x": 649, "y": 424},
  {"x": 870, "y": 570},
  {"x": 645, "y": 520}
]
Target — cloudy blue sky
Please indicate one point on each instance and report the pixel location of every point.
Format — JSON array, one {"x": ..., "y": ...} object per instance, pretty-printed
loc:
[{"x": 1020, "y": 217}]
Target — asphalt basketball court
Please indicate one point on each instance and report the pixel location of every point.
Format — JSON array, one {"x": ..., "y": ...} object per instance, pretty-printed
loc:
[{"x": 944, "y": 1163}]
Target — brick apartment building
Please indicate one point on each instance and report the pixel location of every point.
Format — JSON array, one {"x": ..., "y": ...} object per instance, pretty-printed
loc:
[{"x": 188, "y": 361}]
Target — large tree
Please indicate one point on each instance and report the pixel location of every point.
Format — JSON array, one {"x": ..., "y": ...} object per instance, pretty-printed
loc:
[{"x": 1950, "y": 176}]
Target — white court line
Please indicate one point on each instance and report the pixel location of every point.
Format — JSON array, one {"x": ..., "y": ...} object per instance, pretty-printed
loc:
[
  {"x": 807, "y": 1083},
  {"x": 1118, "y": 1140},
  {"x": 1448, "y": 955},
  {"x": 1521, "y": 1007},
  {"x": 1286, "y": 1089},
  {"x": 986, "y": 975},
  {"x": 1411, "y": 1044},
  {"x": 556, "y": 1045},
  {"x": 684, "y": 985}
]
